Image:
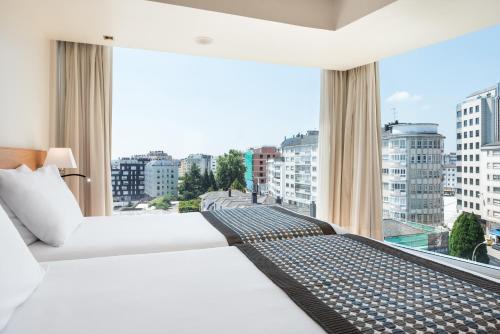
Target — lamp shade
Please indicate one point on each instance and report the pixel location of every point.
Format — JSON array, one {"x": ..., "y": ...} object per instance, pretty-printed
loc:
[{"x": 61, "y": 157}]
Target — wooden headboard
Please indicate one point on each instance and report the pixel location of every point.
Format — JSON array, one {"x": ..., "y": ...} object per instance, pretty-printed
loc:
[{"x": 14, "y": 157}]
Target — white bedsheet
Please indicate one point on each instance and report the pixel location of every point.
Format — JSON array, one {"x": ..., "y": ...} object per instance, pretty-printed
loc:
[
  {"x": 121, "y": 235},
  {"x": 214, "y": 290}
]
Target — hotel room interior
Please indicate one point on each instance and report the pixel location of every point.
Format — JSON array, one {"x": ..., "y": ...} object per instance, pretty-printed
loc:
[{"x": 67, "y": 265}]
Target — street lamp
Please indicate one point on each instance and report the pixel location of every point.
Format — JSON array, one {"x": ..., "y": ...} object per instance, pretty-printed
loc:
[{"x": 475, "y": 248}]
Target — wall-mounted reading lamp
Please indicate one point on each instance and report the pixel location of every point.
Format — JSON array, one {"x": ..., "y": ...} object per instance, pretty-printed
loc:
[{"x": 63, "y": 158}]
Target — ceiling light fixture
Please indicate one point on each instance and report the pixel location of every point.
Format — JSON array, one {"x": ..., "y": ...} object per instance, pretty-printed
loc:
[{"x": 204, "y": 40}]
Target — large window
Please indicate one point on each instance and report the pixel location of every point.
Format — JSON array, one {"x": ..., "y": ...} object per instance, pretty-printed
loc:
[
  {"x": 178, "y": 120},
  {"x": 442, "y": 103}
]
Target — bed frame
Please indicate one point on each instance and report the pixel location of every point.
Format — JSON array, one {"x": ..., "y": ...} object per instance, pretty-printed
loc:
[{"x": 14, "y": 157}]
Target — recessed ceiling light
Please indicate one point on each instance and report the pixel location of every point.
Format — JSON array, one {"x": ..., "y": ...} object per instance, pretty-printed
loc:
[{"x": 204, "y": 40}]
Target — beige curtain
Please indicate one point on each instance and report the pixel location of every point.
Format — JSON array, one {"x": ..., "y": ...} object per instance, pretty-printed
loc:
[
  {"x": 83, "y": 120},
  {"x": 350, "y": 192}
]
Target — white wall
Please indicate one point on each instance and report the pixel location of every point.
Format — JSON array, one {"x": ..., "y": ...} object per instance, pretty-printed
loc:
[{"x": 24, "y": 81}]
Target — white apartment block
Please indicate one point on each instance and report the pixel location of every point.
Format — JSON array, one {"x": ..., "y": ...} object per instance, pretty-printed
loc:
[
  {"x": 295, "y": 176},
  {"x": 204, "y": 162},
  {"x": 275, "y": 171},
  {"x": 449, "y": 173},
  {"x": 449, "y": 179},
  {"x": 213, "y": 163},
  {"x": 490, "y": 185},
  {"x": 161, "y": 178},
  {"x": 412, "y": 173},
  {"x": 477, "y": 125}
]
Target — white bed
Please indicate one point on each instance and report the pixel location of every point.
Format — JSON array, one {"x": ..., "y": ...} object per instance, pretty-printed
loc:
[
  {"x": 138, "y": 234},
  {"x": 199, "y": 291}
]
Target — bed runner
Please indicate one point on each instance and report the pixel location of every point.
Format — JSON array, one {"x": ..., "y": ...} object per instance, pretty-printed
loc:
[
  {"x": 264, "y": 223},
  {"x": 351, "y": 284}
]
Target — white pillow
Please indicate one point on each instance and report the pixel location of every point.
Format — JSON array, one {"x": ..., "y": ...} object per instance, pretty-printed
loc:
[
  {"x": 20, "y": 274},
  {"x": 43, "y": 203},
  {"x": 26, "y": 234}
]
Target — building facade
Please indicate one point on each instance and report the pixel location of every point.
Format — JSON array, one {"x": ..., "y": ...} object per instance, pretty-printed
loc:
[
  {"x": 412, "y": 155},
  {"x": 161, "y": 178},
  {"x": 275, "y": 171},
  {"x": 449, "y": 179},
  {"x": 449, "y": 174},
  {"x": 204, "y": 162},
  {"x": 295, "y": 174},
  {"x": 127, "y": 179},
  {"x": 127, "y": 176},
  {"x": 256, "y": 167},
  {"x": 477, "y": 125},
  {"x": 490, "y": 185}
]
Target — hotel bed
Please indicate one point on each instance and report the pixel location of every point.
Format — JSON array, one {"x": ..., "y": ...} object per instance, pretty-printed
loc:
[
  {"x": 122, "y": 235},
  {"x": 334, "y": 284}
]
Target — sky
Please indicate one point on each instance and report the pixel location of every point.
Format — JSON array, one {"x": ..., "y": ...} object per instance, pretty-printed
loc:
[
  {"x": 186, "y": 104},
  {"x": 425, "y": 85}
]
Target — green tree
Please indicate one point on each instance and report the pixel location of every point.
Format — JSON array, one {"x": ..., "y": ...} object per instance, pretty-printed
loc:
[
  {"x": 161, "y": 203},
  {"x": 466, "y": 234},
  {"x": 205, "y": 182},
  {"x": 191, "y": 184},
  {"x": 190, "y": 206},
  {"x": 213, "y": 182},
  {"x": 237, "y": 185},
  {"x": 230, "y": 167}
]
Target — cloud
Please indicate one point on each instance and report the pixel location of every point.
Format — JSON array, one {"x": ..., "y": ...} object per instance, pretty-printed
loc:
[{"x": 403, "y": 96}]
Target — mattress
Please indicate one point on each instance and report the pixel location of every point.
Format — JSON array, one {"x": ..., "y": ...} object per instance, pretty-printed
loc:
[
  {"x": 138, "y": 234},
  {"x": 214, "y": 290},
  {"x": 121, "y": 235}
]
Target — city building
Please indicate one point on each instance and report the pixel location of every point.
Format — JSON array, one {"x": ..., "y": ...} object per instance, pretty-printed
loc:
[
  {"x": 127, "y": 176},
  {"x": 412, "y": 155},
  {"x": 450, "y": 158},
  {"x": 256, "y": 167},
  {"x": 490, "y": 185},
  {"x": 477, "y": 125},
  {"x": 449, "y": 174},
  {"x": 203, "y": 161},
  {"x": 213, "y": 163},
  {"x": 295, "y": 175},
  {"x": 275, "y": 171},
  {"x": 161, "y": 178},
  {"x": 127, "y": 179}
]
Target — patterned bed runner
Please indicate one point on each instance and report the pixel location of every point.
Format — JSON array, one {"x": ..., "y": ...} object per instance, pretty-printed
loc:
[
  {"x": 351, "y": 284},
  {"x": 264, "y": 223}
]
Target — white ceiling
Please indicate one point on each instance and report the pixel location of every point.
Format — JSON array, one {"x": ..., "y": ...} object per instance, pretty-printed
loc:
[
  {"x": 398, "y": 27},
  {"x": 321, "y": 14}
]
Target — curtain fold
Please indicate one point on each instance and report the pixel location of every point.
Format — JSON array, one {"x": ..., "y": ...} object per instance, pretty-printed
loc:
[
  {"x": 350, "y": 186},
  {"x": 83, "y": 120}
]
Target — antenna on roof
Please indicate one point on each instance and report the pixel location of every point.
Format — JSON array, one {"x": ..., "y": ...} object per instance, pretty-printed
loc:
[{"x": 394, "y": 113}]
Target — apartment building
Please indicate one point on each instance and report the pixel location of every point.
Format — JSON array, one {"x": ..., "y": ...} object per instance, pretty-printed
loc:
[
  {"x": 213, "y": 163},
  {"x": 449, "y": 173},
  {"x": 161, "y": 178},
  {"x": 490, "y": 185},
  {"x": 127, "y": 175},
  {"x": 275, "y": 170},
  {"x": 412, "y": 155},
  {"x": 256, "y": 167},
  {"x": 477, "y": 126},
  {"x": 204, "y": 162},
  {"x": 295, "y": 175},
  {"x": 127, "y": 179}
]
